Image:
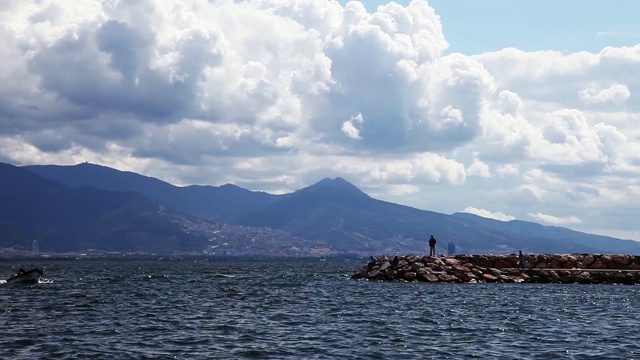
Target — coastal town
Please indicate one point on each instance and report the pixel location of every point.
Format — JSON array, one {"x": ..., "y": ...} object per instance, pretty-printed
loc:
[{"x": 222, "y": 240}]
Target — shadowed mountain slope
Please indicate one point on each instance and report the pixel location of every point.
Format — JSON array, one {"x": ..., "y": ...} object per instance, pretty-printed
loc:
[
  {"x": 552, "y": 237},
  {"x": 337, "y": 213},
  {"x": 66, "y": 219},
  {"x": 208, "y": 202}
]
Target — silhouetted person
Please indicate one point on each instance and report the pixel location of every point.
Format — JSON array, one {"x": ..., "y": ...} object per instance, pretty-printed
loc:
[
  {"x": 520, "y": 260},
  {"x": 432, "y": 246},
  {"x": 395, "y": 262}
]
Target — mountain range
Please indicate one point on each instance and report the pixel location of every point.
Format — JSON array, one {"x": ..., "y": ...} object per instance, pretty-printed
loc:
[{"x": 73, "y": 208}]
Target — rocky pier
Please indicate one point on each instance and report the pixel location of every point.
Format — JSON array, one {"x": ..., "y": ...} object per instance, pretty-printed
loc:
[{"x": 538, "y": 268}]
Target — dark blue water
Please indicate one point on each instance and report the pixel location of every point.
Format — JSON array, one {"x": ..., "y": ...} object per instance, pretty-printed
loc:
[{"x": 302, "y": 309}]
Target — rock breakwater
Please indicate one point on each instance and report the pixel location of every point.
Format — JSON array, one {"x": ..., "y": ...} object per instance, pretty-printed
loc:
[{"x": 538, "y": 268}]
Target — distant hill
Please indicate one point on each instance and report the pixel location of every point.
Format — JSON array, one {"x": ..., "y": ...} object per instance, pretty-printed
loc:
[
  {"x": 216, "y": 203},
  {"x": 550, "y": 239},
  {"x": 342, "y": 215},
  {"x": 68, "y": 219},
  {"x": 336, "y": 213}
]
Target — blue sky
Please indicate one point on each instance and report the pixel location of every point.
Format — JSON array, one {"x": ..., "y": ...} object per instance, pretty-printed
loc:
[{"x": 476, "y": 26}]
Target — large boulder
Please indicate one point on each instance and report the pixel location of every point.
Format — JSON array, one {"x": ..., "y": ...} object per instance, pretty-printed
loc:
[
  {"x": 490, "y": 278},
  {"x": 409, "y": 276}
]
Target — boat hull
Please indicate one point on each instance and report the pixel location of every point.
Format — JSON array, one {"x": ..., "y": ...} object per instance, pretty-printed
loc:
[{"x": 27, "y": 277}]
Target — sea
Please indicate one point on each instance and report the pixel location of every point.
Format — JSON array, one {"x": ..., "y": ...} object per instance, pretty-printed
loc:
[{"x": 241, "y": 308}]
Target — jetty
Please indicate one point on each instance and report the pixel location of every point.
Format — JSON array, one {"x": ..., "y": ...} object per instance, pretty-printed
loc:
[{"x": 538, "y": 268}]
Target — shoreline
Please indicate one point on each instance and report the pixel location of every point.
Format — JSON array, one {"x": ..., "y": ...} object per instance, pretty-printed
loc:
[{"x": 538, "y": 268}]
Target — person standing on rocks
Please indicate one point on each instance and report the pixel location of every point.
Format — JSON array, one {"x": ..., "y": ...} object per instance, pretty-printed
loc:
[
  {"x": 520, "y": 260},
  {"x": 432, "y": 246}
]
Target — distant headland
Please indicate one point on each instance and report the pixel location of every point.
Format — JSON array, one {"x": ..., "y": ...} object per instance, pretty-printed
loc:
[{"x": 538, "y": 268}]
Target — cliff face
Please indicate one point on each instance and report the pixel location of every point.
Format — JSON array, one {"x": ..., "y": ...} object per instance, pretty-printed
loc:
[{"x": 538, "y": 268}]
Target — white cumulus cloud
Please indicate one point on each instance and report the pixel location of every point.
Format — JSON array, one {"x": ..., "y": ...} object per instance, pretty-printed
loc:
[
  {"x": 351, "y": 126},
  {"x": 478, "y": 168},
  {"x": 274, "y": 95},
  {"x": 497, "y": 215},
  {"x": 550, "y": 219},
  {"x": 616, "y": 94}
]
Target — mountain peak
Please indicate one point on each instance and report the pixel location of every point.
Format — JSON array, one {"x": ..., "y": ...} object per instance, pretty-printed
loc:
[
  {"x": 338, "y": 182},
  {"x": 337, "y": 185}
]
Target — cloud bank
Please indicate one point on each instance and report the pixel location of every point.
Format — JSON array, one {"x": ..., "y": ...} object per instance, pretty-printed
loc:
[{"x": 275, "y": 95}]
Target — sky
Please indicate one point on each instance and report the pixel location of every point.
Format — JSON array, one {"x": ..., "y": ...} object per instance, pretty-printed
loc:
[{"x": 524, "y": 110}]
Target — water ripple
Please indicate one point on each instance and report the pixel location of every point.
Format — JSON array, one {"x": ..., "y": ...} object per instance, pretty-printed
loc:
[{"x": 303, "y": 309}]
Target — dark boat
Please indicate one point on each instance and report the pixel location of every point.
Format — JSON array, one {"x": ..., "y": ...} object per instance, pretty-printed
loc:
[{"x": 26, "y": 277}]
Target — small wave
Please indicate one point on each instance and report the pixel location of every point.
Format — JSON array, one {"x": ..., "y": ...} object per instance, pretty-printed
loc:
[
  {"x": 261, "y": 310},
  {"x": 160, "y": 276},
  {"x": 223, "y": 276}
]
